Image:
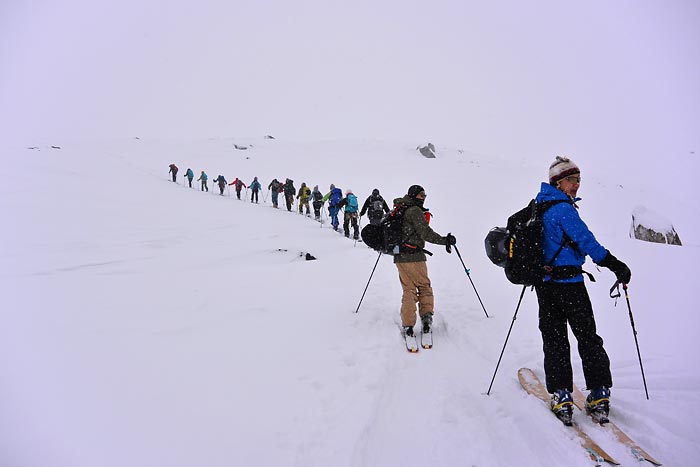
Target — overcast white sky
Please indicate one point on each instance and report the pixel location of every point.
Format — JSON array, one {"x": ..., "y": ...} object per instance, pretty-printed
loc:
[{"x": 530, "y": 77}]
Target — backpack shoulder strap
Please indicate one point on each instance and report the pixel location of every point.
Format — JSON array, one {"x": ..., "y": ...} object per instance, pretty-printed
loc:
[{"x": 566, "y": 240}]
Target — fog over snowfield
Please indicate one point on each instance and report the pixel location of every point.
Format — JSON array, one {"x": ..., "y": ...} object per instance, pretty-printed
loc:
[{"x": 149, "y": 324}]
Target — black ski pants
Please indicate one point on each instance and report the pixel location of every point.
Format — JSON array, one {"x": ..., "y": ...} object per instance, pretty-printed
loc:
[
  {"x": 562, "y": 303},
  {"x": 317, "y": 208},
  {"x": 351, "y": 218}
]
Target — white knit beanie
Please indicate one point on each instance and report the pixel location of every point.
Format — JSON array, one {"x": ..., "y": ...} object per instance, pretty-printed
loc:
[{"x": 560, "y": 168}]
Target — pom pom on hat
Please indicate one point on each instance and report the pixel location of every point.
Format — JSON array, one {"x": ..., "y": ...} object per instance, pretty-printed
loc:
[{"x": 560, "y": 168}]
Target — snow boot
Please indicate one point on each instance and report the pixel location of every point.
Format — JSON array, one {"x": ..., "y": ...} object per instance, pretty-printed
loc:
[
  {"x": 408, "y": 331},
  {"x": 427, "y": 321},
  {"x": 598, "y": 404},
  {"x": 562, "y": 406}
]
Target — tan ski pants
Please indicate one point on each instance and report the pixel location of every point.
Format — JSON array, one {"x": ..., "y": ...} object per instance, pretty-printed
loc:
[{"x": 416, "y": 289}]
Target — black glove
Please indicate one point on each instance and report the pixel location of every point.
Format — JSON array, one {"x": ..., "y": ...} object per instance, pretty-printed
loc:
[
  {"x": 449, "y": 241},
  {"x": 620, "y": 269}
]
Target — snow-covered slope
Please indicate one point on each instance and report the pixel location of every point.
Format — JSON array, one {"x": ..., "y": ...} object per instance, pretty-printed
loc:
[{"x": 149, "y": 324}]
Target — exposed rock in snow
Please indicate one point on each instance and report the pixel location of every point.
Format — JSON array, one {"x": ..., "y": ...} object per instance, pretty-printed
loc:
[
  {"x": 650, "y": 226},
  {"x": 427, "y": 150}
]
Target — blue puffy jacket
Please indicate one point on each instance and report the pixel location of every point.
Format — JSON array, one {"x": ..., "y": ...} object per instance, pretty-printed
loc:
[{"x": 563, "y": 218}]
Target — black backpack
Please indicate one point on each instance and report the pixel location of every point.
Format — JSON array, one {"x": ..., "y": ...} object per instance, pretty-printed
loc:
[
  {"x": 377, "y": 205},
  {"x": 518, "y": 247},
  {"x": 386, "y": 237}
]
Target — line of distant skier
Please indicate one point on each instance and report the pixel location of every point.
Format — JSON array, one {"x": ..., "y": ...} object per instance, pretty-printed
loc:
[{"x": 375, "y": 206}]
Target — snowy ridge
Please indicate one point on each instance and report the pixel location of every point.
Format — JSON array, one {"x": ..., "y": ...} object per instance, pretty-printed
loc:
[{"x": 126, "y": 295}]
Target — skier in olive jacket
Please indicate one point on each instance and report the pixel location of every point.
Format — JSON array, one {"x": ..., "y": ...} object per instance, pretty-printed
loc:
[{"x": 411, "y": 260}]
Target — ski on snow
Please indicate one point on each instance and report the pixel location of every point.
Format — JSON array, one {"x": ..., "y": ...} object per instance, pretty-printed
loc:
[
  {"x": 638, "y": 453},
  {"x": 411, "y": 343},
  {"x": 426, "y": 341},
  {"x": 532, "y": 384}
]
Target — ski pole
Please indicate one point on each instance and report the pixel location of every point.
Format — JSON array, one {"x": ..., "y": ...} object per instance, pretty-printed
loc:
[
  {"x": 359, "y": 222},
  {"x": 370, "y": 279},
  {"x": 634, "y": 330},
  {"x": 488, "y": 393},
  {"x": 470, "y": 280}
]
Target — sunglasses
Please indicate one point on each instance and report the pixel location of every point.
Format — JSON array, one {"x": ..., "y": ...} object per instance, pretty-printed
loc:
[{"x": 573, "y": 179}]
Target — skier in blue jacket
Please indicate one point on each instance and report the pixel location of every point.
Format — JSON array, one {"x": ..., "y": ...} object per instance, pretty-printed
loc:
[
  {"x": 563, "y": 298},
  {"x": 203, "y": 177},
  {"x": 333, "y": 197},
  {"x": 254, "y": 189},
  {"x": 190, "y": 175},
  {"x": 350, "y": 216}
]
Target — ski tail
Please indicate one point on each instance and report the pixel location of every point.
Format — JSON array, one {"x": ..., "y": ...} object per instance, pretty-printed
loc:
[
  {"x": 532, "y": 385},
  {"x": 637, "y": 452}
]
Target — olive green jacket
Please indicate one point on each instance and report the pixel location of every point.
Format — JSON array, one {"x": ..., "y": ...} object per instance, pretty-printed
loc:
[{"x": 416, "y": 231}]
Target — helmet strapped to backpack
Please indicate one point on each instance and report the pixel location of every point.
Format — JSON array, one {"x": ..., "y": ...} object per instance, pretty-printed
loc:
[{"x": 387, "y": 236}]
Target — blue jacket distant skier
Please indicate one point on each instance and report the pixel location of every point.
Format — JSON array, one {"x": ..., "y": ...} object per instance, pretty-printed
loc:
[
  {"x": 333, "y": 197},
  {"x": 203, "y": 177},
  {"x": 351, "y": 207},
  {"x": 190, "y": 176},
  {"x": 255, "y": 188}
]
